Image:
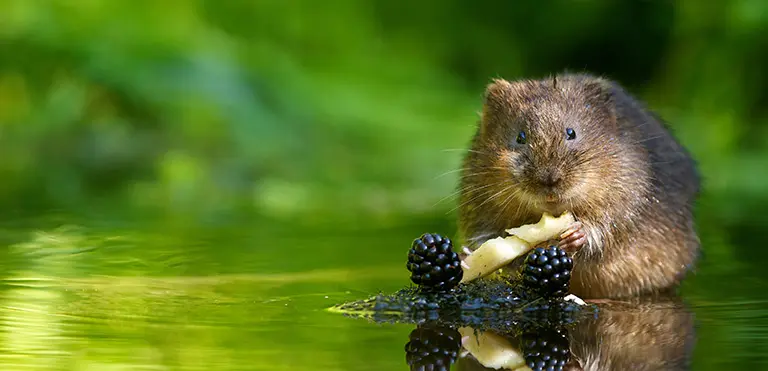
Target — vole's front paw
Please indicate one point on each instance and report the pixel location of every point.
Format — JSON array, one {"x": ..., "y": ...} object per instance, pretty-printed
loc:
[
  {"x": 574, "y": 238},
  {"x": 463, "y": 254},
  {"x": 573, "y": 365}
]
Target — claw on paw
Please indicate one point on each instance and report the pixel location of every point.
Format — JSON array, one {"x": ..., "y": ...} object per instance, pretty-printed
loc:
[{"x": 574, "y": 238}]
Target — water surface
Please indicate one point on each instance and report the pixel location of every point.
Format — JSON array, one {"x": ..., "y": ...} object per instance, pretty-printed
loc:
[{"x": 93, "y": 293}]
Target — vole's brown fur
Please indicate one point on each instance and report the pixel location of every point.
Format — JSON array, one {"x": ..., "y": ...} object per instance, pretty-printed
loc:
[{"x": 629, "y": 183}]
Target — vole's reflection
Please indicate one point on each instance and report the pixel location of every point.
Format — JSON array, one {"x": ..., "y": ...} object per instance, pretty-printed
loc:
[{"x": 645, "y": 334}]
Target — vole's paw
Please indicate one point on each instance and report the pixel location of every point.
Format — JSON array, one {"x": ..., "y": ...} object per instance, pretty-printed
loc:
[
  {"x": 574, "y": 238},
  {"x": 463, "y": 254},
  {"x": 573, "y": 365}
]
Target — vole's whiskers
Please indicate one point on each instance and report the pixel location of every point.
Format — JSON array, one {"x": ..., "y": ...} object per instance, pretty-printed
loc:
[
  {"x": 486, "y": 170},
  {"x": 467, "y": 188},
  {"x": 478, "y": 173},
  {"x": 480, "y": 238},
  {"x": 504, "y": 204},
  {"x": 473, "y": 186},
  {"x": 452, "y": 171},
  {"x": 475, "y": 197},
  {"x": 463, "y": 150},
  {"x": 505, "y": 189},
  {"x": 522, "y": 201}
]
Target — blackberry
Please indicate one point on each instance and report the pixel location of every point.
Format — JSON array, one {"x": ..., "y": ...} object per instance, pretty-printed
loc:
[
  {"x": 432, "y": 348},
  {"x": 547, "y": 272},
  {"x": 433, "y": 264},
  {"x": 546, "y": 349}
]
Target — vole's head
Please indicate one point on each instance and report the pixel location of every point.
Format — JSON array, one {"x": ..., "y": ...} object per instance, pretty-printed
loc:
[{"x": 550, "y": 143}]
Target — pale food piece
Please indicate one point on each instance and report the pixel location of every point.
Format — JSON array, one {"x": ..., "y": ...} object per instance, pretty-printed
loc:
[
  {"x": 498, "y": 252},
  {"x": 546, "y": 229},
  {"x": 491, "y": 350},
  {"x": 492, "y": 255}
]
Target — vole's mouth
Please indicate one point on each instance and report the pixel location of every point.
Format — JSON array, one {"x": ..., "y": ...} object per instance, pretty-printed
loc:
[
  {"x": 552, "y": 203},
  {"x": 546, "y": 200}
]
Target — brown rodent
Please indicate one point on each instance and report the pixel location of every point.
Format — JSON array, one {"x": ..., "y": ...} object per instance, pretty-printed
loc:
[{"x": 581, "y": 143}]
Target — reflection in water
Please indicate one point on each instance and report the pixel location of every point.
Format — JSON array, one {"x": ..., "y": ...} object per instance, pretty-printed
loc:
[
  {"x": 647, "y": 334},
  {"x": 542, "y": 348},
  {"x": 31, "y": 336},
  {"x": 432, "y": 347},
  {"x": 644, "y": 335}
]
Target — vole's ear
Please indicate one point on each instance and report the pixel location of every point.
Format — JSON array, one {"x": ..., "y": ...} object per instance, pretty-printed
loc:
[
  {"x": 496, "y": 104},
  {"x": 500, "y": 101},
  {"x": 499, "y": 94}
]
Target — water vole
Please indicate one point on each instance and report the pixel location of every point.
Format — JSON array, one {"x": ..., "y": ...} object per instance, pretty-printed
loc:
[{"x": 581, "y": 143}]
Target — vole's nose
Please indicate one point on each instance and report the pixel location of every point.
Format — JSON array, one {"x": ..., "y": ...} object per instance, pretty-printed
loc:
[{"x": 549, "y": 178}]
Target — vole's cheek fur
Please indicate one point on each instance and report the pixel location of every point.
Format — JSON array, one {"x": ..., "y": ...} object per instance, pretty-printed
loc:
[{"x": 513, "y": 162}]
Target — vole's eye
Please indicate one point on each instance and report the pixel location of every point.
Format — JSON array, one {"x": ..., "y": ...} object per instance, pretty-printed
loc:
[
  {"x": 521, "y": 139},
  {"x": 570, "y": 134}
]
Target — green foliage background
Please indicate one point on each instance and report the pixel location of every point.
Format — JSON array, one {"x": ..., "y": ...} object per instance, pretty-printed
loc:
[{"x": 338, "y": 110}]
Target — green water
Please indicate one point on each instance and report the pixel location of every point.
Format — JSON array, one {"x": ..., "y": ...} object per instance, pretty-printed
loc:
[{"x": 92, "y": 293}]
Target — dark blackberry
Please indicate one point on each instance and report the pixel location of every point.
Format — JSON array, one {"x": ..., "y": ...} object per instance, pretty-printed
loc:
[
  {"x": 432, "y": 348},
  {"x": 546, "y": 349},
  {"x": 433, "y": 263},
  {"x": 547, "y": 272}
]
